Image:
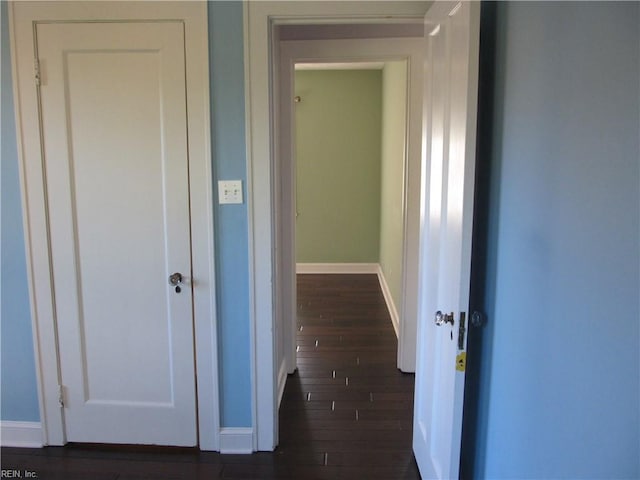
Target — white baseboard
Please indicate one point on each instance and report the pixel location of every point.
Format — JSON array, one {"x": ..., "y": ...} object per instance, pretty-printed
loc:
[
  {"x": 236, "y": 440},
  {"x": 29, "y": 435},
  {"x": 282, "y": 380},
  {"x": 337, "y": 268},
  {"x": 21, "y": 434},
  {"x": 393, "y": 312}
]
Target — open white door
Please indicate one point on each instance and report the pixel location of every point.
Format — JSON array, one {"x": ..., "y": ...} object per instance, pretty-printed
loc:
[{"x": 452, "y": 47}]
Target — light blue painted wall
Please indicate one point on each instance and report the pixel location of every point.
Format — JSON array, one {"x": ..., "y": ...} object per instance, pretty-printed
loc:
[
  {"x": 19, "y": 396},
  {"x": 19, "y": 388},
  {"x": 560, "y": 393},
  {"x": 229, "y": 163}
]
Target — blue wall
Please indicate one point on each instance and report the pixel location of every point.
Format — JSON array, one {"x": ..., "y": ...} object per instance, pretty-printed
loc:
[
  {"x": 229, "y": 163},
  {"x": 560, "y": 393},
  {"x": 19, "y": 395},
  {"x": 19, "y": 390}
]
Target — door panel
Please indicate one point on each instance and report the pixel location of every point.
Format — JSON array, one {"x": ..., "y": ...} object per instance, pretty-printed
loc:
[
  {"x": 447, "y": 205},
  {"x": 113, "y": 108}
]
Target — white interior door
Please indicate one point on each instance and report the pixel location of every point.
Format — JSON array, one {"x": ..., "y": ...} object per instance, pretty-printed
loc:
[
  {"x": 452, "y": 41},
  {"x": 113, "y": 114}
]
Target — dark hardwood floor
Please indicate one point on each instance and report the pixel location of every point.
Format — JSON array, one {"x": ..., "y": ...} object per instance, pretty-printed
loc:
[{"x": 345, "y": 414}]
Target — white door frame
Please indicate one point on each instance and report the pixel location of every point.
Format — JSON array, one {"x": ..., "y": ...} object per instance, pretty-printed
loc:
[
  {"x": 23, "y": 16},
  {"x": 411, "y": 51},
  {"x": 260, "y": 45}
]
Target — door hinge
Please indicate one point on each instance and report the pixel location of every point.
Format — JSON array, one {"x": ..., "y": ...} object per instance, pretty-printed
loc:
[
  {"x": 61, "y": 396},
  {"x": 36, "y": 68}
]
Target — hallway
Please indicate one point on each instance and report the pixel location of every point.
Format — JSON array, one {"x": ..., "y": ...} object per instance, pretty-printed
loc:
[{"x": 347, "y": 413}]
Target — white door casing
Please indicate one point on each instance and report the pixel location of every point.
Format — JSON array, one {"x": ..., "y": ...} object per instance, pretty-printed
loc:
[
  {"x": 452, "y": 42},
  {"x": 260, "y": 53},
  {"x": 51, "y": 279}
]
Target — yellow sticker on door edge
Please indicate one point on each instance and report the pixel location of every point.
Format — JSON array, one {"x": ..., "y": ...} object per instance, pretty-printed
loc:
[{"x": 461, "y": 361}]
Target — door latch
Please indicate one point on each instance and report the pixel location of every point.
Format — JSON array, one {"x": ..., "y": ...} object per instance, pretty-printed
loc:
[{"x": 461, "y": 330}]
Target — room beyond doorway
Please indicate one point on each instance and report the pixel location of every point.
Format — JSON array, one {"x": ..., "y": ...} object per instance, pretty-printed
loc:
[
  {"x": 402, "y": 53},
  {"x": 350, "y": 131}
]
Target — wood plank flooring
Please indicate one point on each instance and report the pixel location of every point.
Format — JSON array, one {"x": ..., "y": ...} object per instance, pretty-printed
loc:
[
  {"x": 345, "y": 414},
  {"x": 347, "y": 408}
]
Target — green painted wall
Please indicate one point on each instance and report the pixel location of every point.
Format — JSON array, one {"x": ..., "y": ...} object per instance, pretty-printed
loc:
[
  {"x": 394, "y": 91},
  {"x": 338, "y": 125}
]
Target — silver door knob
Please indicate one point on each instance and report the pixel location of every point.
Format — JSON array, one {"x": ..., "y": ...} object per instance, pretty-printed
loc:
[
  {"x": 441, "y": 318},
  {"x": 175, "y": 279}
]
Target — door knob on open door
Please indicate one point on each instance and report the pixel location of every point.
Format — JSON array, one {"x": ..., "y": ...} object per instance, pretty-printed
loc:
[
  {"x": 441, "y": 318},
  {"x": 478, "y": 319},
  {"x": 175, "y": 279}
]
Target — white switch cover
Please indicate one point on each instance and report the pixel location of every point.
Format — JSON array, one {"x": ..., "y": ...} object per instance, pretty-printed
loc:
[{"x": 229, "y": 191}]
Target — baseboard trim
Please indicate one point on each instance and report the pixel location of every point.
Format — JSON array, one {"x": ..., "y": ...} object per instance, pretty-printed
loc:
[
  {"x": 282, "y": 380},
  {"x": 341, "y": 268},
  {"x": 236, "y": 440},
  {"x": 21, "y": 434},
  {"x": 386, "y": 292}
]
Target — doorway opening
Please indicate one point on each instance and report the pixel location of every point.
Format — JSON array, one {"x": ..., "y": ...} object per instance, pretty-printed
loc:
[
  {"x": 451, "y": 40},
  {"x": 396, "y": 198},
  {"x": 349, "y": 143},
  {"x": 349, "y": 159}
]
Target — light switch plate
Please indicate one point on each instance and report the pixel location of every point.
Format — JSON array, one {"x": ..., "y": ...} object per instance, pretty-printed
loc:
[{"x": 229, "y": 191}]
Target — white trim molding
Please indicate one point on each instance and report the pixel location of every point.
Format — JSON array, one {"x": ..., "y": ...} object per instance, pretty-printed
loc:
[
  {"x": 21, "y": 434},
  {"x": 282, "y": 380},
  {"x": 236, "y": 440},
  {"x": 341, "y": 268},
  {"x": 388, "y": 298},
  {"x": 262, "y": 174}
]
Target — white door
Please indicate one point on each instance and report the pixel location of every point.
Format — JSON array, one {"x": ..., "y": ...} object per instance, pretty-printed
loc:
[
  {"x": 452, "y": 40},
  {"x": 113, "y": 114}
]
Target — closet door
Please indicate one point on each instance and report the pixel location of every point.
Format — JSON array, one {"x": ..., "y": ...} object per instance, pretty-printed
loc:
[{"x": 114, "y": 123}]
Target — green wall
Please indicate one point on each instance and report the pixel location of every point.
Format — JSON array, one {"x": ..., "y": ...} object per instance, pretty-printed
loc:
[
  {"x": 338, "y": 124},
  {"x": 394, "y": 95}
]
